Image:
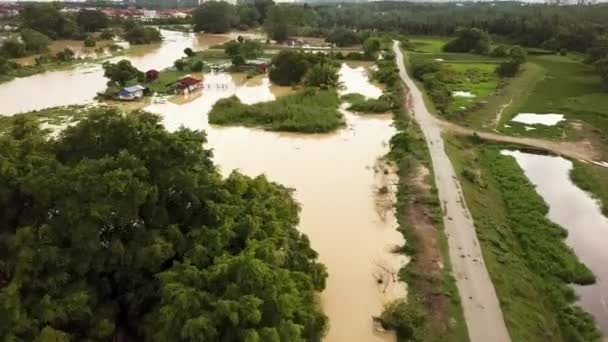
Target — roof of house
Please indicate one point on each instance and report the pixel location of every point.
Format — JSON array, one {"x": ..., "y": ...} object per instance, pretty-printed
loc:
[
  {"x": 131, "y": 90},
  {"x": 188, "y": 81}
]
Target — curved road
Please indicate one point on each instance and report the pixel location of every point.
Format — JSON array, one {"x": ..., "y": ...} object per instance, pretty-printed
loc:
[{"x": 481, "y": 308}]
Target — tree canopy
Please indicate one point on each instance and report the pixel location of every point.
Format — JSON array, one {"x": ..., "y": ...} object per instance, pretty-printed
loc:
[
  {"x": 92, "y": 20},
  {"x": 214, "y": 17},
  {"x": 119, "y": 228},
  {"x": 288, "y": 67},
  {"x": 136, "y": 33},
  {"x": 469, "y": 40},
  {"x": 121, "y": 73}
]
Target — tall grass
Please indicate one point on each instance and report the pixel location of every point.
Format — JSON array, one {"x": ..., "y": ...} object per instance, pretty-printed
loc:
[{"x": 309, "y": 111}]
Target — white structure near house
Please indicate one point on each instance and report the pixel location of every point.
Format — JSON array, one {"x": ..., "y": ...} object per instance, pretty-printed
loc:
[
  {"x": 150, "y": 14},
  {"x": 131, "y": 93}
]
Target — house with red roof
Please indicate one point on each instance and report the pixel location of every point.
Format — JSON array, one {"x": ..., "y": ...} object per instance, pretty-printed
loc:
[{"x": 187, "y": 85}]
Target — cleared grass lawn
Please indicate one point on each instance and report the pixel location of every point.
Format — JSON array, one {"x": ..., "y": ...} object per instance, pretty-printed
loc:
[
  {"x": 567, "y": 87},
  {"x": 524, "y": 252},
  {"x": 428, "y": 44},
  {"x": 168, "y": 77}
]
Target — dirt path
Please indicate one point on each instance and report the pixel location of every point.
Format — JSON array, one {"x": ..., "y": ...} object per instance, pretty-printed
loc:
[{"x": 481, "y": 308}]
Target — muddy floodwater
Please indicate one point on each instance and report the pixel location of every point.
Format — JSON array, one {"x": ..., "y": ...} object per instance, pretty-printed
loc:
[
  {"x": 576, "y": 211},
  {"x": 338, "y": 178},
  {"x": 80, "y": 84}
]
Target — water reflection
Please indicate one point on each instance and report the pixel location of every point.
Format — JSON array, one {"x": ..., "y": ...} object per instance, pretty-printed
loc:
[{"x": 576, "y": 211}]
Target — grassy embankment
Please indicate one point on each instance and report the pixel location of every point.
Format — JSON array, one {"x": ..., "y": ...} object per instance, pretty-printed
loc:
[
  {"x": 594, "y": 179},
  {"x": 529, "y": 263},
  {"x": 310, "y": 111},
  {"x": 431, "y": 311},
  {"x": 53, "y": 117}
]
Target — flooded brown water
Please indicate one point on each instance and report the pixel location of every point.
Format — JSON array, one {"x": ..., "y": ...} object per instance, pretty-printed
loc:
[
  {"x": 80, "y": 84},
  {"x": 576, "y": 211},
  {"x": 337, "y": 177}
]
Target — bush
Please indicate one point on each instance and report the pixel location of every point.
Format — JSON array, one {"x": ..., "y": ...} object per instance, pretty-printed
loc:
[
  {"x": 13, "y": 48},
  {"x": 288, "y": 68},
  {"x": 35, "y": 42},
  {"x": 343, "y": 37},
  {"x": 500, "y": 51},
  {"x": 189, "y": 52},
  {"x": 66, "y": 55},
  {"x": 106, "y": 35},
  {"x": 469, "y": 40},
  {"x": 322, "y": 75},
  {"x": 405, "y": 318},
  {"x": 197, "y": 66},
  {"x": 310, "y": 111},
  {"x": 90, "y": 42},
  {"x": 179, "y": 64},
  {"x": 508, "y": 69}
]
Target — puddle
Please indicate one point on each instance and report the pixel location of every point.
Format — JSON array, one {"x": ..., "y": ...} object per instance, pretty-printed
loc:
[
  {"x": 355, "y": 80},
  {"x": 538, "y": 119},
  {"x": 463, "y": 94}
]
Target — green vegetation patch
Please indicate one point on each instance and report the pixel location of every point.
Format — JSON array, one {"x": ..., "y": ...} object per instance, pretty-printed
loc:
[
  {"x": 594, "y": 179},
  {"x": 530, "y": 265},
  {"x": 427, "y": 44},
  {"x": 571, "y": 88},
  {"x": 310, "y": 111},
  {"x": 358, "y": 103}
]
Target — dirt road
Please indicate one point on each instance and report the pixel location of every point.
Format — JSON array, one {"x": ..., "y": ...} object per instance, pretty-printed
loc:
[{"x": 481, "y": 308}]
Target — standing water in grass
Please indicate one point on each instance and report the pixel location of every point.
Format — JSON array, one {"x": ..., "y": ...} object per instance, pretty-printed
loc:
[
  {"x": 580, "y": 214},
  {"x": 340, "y": 185}
]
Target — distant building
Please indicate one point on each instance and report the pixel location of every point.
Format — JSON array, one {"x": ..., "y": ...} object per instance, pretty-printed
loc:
[
  {"x": 260, "y": 64},
  {"x": 232, "y": 2},
  {"x": 130, "y": 93}
]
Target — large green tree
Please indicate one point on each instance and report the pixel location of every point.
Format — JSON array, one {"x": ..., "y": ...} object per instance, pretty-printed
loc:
[
  {"x": 121, "y": 73},
  {"x": 47, "y": 19},
  {"x": 214, "y": 17},
  {"x": 469, "y": 40},
  {"x": 92, "y": 20},
  {"x": 35, "y": 42},
  {"x": 288, "y": 67},
  {"x": 119, "y": 229}
]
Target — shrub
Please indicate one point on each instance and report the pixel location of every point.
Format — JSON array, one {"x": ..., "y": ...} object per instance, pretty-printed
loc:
[
  {"x": 322, "y": 75},
  {"x": 197, "y": 66},
  {"x": 90, "y": 42},
  {"x": 179, "y": 64}
]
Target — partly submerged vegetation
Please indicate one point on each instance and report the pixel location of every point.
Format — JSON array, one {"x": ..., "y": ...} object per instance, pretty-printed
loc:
[
  {"x": 160, "y": 246},
  {"x": 529, "y": 263},
  {"x": 310, "y": 110},
  {"x": 431, "y": 311},
  {"x": 593, "y": 179}
]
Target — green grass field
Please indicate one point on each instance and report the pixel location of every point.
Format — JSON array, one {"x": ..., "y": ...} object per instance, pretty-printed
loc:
[
  {"x": 525, "y": 253},
  {"x": 565, "y": 86},
  {"x": 428, "y": 44}
]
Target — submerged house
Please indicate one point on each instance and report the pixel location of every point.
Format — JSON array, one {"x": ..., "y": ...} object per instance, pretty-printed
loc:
[
  {"x": 260, "y": 64},
  {"x": 130, "y": 93},
  {"x": 187, "y": 85}
]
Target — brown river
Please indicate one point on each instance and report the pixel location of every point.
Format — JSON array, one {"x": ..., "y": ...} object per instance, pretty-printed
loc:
[{"x": 336, "y": 176}]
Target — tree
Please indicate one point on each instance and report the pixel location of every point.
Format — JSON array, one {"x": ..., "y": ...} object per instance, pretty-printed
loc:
[
  {"x": 469, "y": 40},
  {"x": 122, "y": 72},
  {"x": 106, "y": 34},
  {"x": 197, "y": 66},
  {"x": 602, "y": 69},
  {"x": 48, "y": 20},
  {"x": 371, "y": 46},
  {"x": 277, "y": 24},
  {"x": 91, "y": 20},
  {"x": 262, "y": 7},
  {"x": 189, "y": 52},
  {"x": 66, "y": 55},
  {"x": 139, "y": 34},
  {"x": 288, "y": 68},
  {"x": 13, "y": 48},
  {"x": 248, "y": 15},
  {"x": 214, "y": 17},
  {"x": 343, "y": 37},
  {"x": 322, "y": 75},
  {"x": 247, "y": 48},
  {"x": 35, "y": 42},
  {"x": 120, "y": 228},
  {"x": 179, "y": 64},
  {"x": 6, "y": 66},
  {"x": 500, "y": 51},
  {"x": 518, "y": 54},
  {"x": 508, "y": 68},
  {"x": 90, "y": 41}
]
